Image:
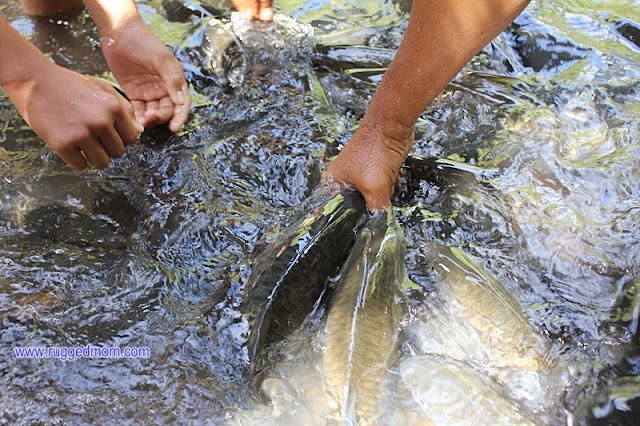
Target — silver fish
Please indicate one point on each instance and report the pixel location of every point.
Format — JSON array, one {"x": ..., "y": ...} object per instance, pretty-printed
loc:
[{"x": 451, "y": 393}]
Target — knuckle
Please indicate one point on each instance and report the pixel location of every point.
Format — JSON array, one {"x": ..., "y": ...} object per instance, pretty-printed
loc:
[
  {"x": 68, "y": 141},
  {"x": 112, "y": 106},
  {"x": 65, "y": 151},
  {"x": 99, "y": 124},
  {"x": 72, "y": 157},
  {"x": 128, "y": 107}
]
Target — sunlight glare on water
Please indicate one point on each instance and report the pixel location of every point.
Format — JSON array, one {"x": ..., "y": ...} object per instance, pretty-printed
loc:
[{"x": 530, "y": 223}]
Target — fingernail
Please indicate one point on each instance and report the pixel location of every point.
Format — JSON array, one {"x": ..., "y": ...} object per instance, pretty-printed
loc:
[
  {"x": 180, "y": 97},
  {"x": 266, "y": 14}
]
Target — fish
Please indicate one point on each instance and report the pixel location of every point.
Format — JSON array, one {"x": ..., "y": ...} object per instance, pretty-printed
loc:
[
  {"x": 489, "y": 309},
  {"x": 289, "y": 277},
  {"x": 451, "y": 393},
  {"x": 443, "y": 172},
  {"x": 363, "y": 319},
  {"x": 470, "y": 319}
]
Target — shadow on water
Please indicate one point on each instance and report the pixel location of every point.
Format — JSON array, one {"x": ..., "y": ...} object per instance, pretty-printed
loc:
[{"x": 527, "y": 164}]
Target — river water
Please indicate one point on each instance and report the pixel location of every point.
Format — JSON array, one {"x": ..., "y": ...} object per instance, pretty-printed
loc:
[{"x": 539, "y": 188}]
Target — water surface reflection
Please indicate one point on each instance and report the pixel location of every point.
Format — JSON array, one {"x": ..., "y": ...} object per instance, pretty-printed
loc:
[{"x": 539, "y": 189}]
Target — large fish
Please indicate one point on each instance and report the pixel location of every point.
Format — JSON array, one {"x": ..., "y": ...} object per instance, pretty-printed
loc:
[
  {"x": 289, "y": 277},
  {"x": 362, "y": 324},
  {"x": 478, "y": 358},
  {"x": 497, "y": 317},
  {"x": 451, "y": 393}
]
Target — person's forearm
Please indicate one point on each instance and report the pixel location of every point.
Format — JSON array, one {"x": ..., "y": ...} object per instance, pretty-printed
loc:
[
  {"x": 19, "y": 59},
  {"x": 441, "y": 38},
  {"x": 111, "y": 15}
]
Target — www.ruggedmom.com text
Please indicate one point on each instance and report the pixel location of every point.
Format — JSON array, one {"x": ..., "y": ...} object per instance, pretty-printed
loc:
[{"x": 75, "y": 352}]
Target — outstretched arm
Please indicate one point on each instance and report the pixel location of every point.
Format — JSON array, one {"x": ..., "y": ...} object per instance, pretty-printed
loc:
[
  {"x": 441, "y": 38},
  {"x": 145, "y": 68}
]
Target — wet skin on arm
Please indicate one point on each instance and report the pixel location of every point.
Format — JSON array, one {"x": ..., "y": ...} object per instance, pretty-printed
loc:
[{"x": 440, "y": 39}]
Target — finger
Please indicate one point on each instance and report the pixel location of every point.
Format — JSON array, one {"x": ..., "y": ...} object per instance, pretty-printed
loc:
[
  {"x": 246, "y": 7},
  {"x": 377, "y": 202},
  {"x": 162, "y": 111},
  {"x": 111, "y": 141},
  {"x": 149, "y": 113},
  {"x": 266, "y": 11},
  {"x": 73, "y": 157},
  {"x": 181, "y": 112},
  {"x": 126, "y": 130},
  {"x": 96, "y": 154},
  {"x": 139, "y": 108},
  {"x": 155, "y": 113},
  {"x": 173, "y": 75},
  {"x": 125, "y": 117},
  {"x": 151, "y": 107}
]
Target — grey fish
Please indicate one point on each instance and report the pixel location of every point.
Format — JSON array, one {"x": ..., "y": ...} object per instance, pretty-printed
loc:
[
  {"x": 473, "y": 320},
  {"x": 614, "y": 404},
  {"x": 363, "y": 320},
  {"x": 289, "y": 277}
]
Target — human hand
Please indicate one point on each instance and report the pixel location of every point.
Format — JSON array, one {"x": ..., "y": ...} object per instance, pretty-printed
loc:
[
  {"x": 370, "y": 163},
  {"x": 259, "y": 10},
  {"x": 149, "y": 74},
  {"x": 431, "y": 54},
  {"x": 82, "y": 119}
]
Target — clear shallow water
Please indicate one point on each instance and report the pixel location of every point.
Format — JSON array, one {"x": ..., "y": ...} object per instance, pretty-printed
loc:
[{"x": 154, "y": 250}]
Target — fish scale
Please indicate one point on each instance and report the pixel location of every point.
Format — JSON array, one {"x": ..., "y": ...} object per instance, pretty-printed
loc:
[
  {"x": 491, "y": 310},
  {"x": 363, "y": 320}
]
